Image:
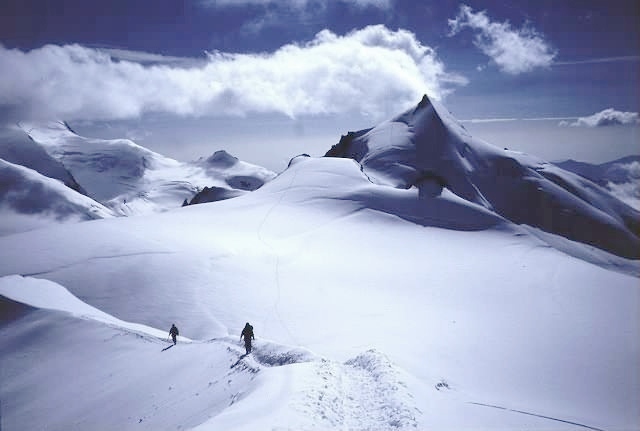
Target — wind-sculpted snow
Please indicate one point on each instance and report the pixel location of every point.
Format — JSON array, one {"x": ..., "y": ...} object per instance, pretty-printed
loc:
[
  {"x": 398, "y": 410},
  {"x": 426, "y": 145},
  {"x": 274, "y": 355},
  {"x": 438, "y": 208}
]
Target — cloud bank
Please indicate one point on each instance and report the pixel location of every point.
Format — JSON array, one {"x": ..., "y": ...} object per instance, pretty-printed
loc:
[
  {"x": 514, "y": 51},
  {"x": 628, "y": 192},
  {"x": 366, "y": 71},
  {"x": 607, "y": 117}
]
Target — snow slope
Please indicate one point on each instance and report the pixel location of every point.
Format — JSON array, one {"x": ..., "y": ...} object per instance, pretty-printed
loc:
[
  {"x": 16, "y": 147},
  {"x": 131, "y": 179},
  {"x": 374, "y": 307},
  {"x": 427, "y": 148},
  {"x": 29, "y": 200}
]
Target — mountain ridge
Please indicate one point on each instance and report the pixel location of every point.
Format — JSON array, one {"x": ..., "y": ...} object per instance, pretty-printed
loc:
[{"x": 426, "y": 146}]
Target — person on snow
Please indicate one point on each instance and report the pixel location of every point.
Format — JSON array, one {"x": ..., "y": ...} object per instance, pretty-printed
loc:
[
  {"x": 247, "y": 333},
  {"x": 173, "y": 332}
]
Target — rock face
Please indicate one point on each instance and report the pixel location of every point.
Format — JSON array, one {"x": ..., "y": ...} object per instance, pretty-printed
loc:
[
  {"x": 425, "y": 147},
  {"x": 212, "y": 194}
]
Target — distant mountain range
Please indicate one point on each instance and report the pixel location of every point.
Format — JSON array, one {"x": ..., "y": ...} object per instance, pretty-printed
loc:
[
  {"x": 621, "y": 177},
  {"x": 118, "y": 177},
  {"x": 424, "y": 147}
]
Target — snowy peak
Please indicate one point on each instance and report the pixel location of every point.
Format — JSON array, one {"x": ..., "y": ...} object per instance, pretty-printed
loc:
[
  {"x": 427, "y": 148},
  {"x": 106, "y": 168},
  {"x": 131, "y": 179},
  {"x": 416, "y": 148},
  {"x": 236, "y": 174},
  {"x": 221, "y": 159}
]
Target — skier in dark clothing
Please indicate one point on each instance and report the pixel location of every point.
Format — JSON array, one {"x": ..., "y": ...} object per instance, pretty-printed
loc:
[
  {"x": 247, "y": 333},
  {"x": 173, "y": 332}
]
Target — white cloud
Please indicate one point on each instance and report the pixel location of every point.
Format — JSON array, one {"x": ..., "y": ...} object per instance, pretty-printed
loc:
[
  {"x": 619, "y": 59},
  {"x": 607, "y": 117},
  {"x": 628, "y": 192},
  {"x": 504, "y": 119},
  {"x": 489, "y": 120},
  {"x": 368, "y": 70},
  {"x": 298, "y": 4},
  {"x": 282, "y": 13},
  {"x": 515, "y": 51}
]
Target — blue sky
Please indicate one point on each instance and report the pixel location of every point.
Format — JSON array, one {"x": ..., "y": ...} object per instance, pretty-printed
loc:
[{"x": 270, "y": 79}]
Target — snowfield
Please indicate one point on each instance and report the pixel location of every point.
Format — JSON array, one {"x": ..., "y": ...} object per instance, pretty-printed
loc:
[{"x": 381, "y": 299}]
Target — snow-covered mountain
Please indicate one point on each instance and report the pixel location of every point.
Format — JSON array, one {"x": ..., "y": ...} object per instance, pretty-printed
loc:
[
  {"x": 29, "y": 200},
  {"x": 16, "y": 147},
  {"x": 131, "y": 179},
  {"x": 376, "y": 304},
  {"x": 427, "y": 148},
  {"x": 621, "y": 177},
  {"x": 117, "y": 176},
  {"x": 237, "y": 177}
]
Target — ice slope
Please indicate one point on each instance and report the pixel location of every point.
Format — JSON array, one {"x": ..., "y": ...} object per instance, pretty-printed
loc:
[
  {"x": 131, "y": 179},
  {"x": 429, "y": 311},
  {"x": 427, "y": 148},
  {"x": 29, "y": 200}
]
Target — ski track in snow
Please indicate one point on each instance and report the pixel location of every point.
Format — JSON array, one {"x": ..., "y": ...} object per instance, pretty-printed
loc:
[
  {"x": 536, "y": 415},
  {"x": 115, "y": 256}
]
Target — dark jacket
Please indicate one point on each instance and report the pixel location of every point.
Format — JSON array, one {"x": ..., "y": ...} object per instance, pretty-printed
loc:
[{"x": 247, "y": 333}]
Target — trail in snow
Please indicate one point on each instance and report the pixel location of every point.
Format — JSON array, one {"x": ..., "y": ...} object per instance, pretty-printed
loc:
[
  {"x": 364, "y": 393},
  {"x": 277, "y": 256},
  {"x": 199, "y": 380}
]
